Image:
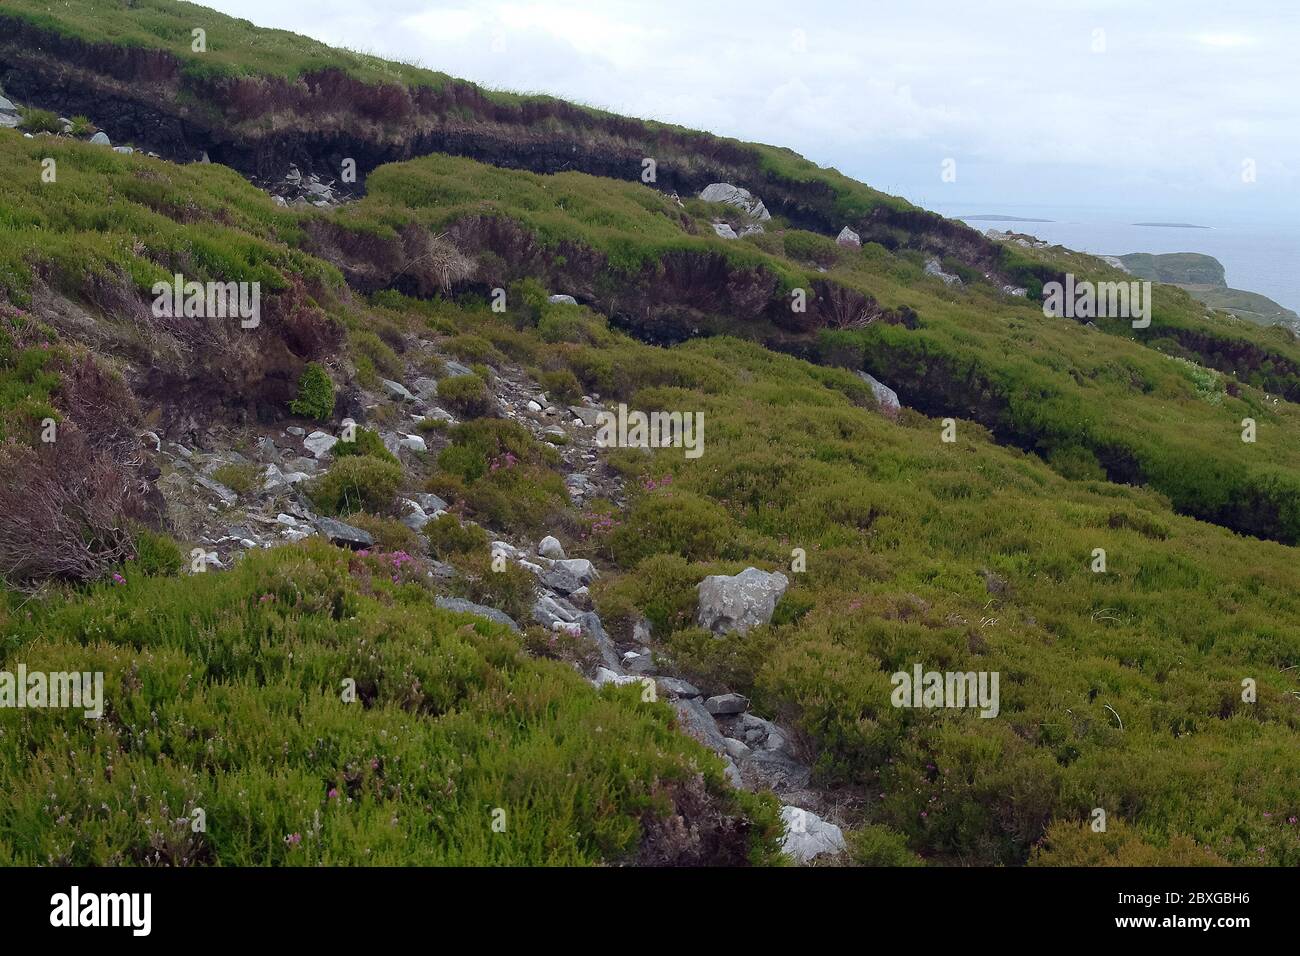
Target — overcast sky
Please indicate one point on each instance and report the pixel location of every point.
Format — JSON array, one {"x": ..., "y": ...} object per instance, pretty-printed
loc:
[{"x": 1154, "y": 109}]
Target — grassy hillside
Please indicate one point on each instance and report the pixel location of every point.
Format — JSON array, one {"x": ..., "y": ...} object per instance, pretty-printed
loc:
[
  {"x": 902, "y": 531},
  {"x": 226, "y": 696},
  {"x": 1121, "y": 689}
]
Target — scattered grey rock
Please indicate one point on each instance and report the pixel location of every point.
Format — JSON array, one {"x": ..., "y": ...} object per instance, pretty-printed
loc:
[
  {"x": 344, "y": 535},
  {"x": 452, "y": 367},
  {"x": 397, "y": 391},
  {"x": 461, "y": 606},
  {"x": 736, "y": 196},
  {"x": 736, "y": 749},
  {"x": 413, "y": 443},
  {"x": 550, "y": 547},
  {"x": 741, "y": 601},
  {"x": 588, "y": 416},
  {"x": 558, "y": 579},
  {"x": 606, "y": 676},
  {"x": 676, "y": 687},
  {"x": 295, "y": 431},
  {"x": 319, "y": 443},
  {"x": 808, "y": 835},
  {"x": 580, "y": 568},
  {"x": 227, "y": 496},
  {"x": 548, "y": 609},
  {"x": 932, "y": 268},
  {"x": 886, "y": 397},
  {"x": 725, "y": 704},
  {"x": 699, "y": 723},
  {"x": 431, "y": 504},
  {"x": 724, "y": 231},
  {"x": 565, "y": 299}
]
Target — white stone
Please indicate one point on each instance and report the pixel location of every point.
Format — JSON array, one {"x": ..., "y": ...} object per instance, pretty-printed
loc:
[
  {"x": 739, "y": 602},
  {"x": 319, "y": 443},
  {"x": 808, "y": 835},
  {"x": 550, "y": 547}
]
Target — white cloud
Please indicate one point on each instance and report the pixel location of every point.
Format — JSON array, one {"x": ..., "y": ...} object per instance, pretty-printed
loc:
[{"x": 884, "y": 90}]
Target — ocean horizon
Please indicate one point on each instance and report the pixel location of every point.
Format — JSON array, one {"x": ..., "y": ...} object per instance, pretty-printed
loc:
[{"x": 1257, "y": 257}]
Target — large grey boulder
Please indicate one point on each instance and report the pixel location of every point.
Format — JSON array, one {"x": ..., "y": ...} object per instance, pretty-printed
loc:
[
  {"x": 562, "y": 300},
  {"x": 698, "y": 723},
  {"x": 344, "y": 535},
  {"x": 550, "y": 547},
  {"x": 724, "y": 231},
  {"x": 885, "y": 396},
  {"x": 580, "y": 568},
  {"x": 101, "y": 139},
  {"x": 736, "y": 196},
  {"x": 739, "y": 602},
  {"x": 849, "y": 239},
  {"x": 461, "y": 606},
  {"x": 227, "y": 495},
  {"x": 725, "y": 704},
  {"x": 319, "y": 443},
  {"x": 808, "y": 835},
  {"x": 396, "y": 390}
]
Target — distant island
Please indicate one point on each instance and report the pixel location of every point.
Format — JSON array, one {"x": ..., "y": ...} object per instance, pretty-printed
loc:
[
  {"x": 1204, "y": 279},
  {"x": 1172, "y": 225},
  {"x": 996, "y": 218}
]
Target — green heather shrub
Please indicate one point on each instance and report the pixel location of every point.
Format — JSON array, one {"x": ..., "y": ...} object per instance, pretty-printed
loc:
[
  {"x": 562, "y": 322},
  {"x": 430, "y": 424},
  {"x": 473, "y": 348},
  {"x": 511, "y": 589},
  {"x": 29, "y": 378},
  {"x": 810, "y": 247},
  {"x": 82, "y": 126},
  {"x": 662, "y": 588},
  {"x": 561, "y": 386},
  {"x": 239, "y": 477},
  {"x": 315, "y": 394},
  {"x": 506, "y": 478},
  {"x": 449, "y": 537},
  {"x": 528, "y": 300},
  {"x": 368, "y": 346},
  {"x": 466, "y": 395},
  {"x": 40, "y": 121},
  {"x": 672, "y": 522},
  {"x": 365, "y": 442},
  {"x": 453, "y": 721},
  {"x": 156, "y": 554},
  {"x": 880, "y": 846},
  {"x": 1077, "y": 844},
  {"x": 389, "y": 533},
  {"x": 357, "y": 483}
]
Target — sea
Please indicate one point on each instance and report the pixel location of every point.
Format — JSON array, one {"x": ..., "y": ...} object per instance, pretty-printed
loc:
[{"x": 1258, "y": 257}]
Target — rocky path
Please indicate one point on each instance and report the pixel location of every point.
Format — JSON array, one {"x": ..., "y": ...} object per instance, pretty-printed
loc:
[{"x": 758, "y": 754}]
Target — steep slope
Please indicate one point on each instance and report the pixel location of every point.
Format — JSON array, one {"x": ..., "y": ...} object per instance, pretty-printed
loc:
[
  {"x": 423, "y": 311},
  {"x": 258, "y": 100}
]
